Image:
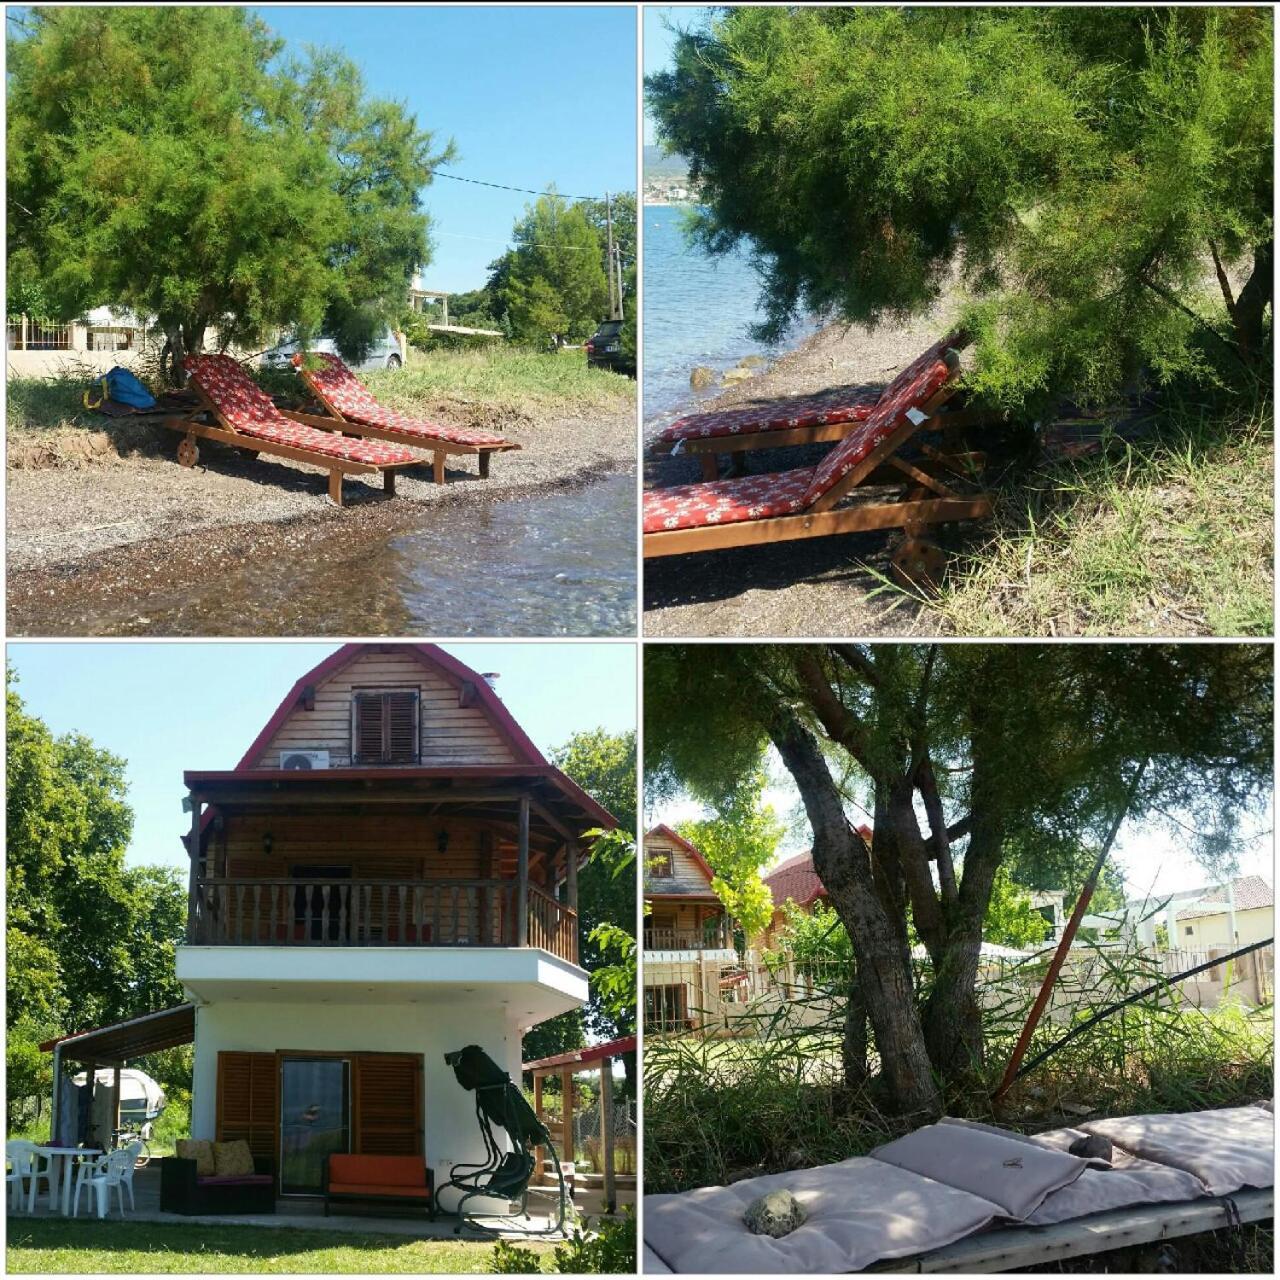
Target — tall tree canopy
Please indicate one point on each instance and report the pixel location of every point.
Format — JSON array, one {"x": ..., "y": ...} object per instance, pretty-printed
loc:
[
  {"x": 1089, "y": 174},
  {"x": 970, "y": 758},
  {"x": 89, "y": 939},
  {"x": 551, "y": 286},
  {"x": 179, "y": 163}
]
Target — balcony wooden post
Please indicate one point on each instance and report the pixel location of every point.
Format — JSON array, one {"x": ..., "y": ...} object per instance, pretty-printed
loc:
[
  {"x": 522, "y": 876},
  {"x": 571, "y": 876},
  {"x": 193, "y": 849},
  {"x": 607, "y": 1136}
]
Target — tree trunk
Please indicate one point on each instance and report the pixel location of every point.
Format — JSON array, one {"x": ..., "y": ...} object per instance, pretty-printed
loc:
[
  {"x": 1254, "y": 299},
  {"x": 843, "y": 864},
  {"x": 854, "y": 1049},
  {"x": 183, "y": 336}
]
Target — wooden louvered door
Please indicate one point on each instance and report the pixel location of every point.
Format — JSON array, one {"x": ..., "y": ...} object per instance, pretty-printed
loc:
[
  {"x": 247, "y": 1100},
  {"x": 387, "y": 1106}
]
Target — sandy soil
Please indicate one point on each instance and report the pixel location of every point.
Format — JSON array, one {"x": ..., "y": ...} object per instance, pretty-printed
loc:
[
  {"x": 818, "y": 587},
  {"x": 135, "y": 521}
]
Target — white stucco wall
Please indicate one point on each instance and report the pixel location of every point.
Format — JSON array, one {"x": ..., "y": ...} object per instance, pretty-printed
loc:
[{"x": 431, "y": 1029}]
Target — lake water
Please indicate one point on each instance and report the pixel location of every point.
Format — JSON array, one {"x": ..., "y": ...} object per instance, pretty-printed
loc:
[{"x": 697, "y": 310}]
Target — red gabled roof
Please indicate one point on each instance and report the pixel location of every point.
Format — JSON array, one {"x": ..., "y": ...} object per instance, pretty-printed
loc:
[
  {"x": 795, "y": 879},
  {"x": 663, "y": 830},
  {"x": 457, "y": 672},
  {"x": 527, "y": 754}
]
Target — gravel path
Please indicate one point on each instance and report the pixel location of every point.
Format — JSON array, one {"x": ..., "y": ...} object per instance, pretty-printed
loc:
[{"x": 815, "y": 587}]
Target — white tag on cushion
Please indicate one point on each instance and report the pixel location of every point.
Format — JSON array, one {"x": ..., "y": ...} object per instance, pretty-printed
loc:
[
  {"x": 678, "y": 447},
  {"x": 915, "y": 417}
]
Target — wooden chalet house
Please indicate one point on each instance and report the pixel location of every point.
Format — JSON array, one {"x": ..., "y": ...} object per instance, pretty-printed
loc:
[
  {"x": 688, "y": 936},
  {"x": 389, "y": 874}
]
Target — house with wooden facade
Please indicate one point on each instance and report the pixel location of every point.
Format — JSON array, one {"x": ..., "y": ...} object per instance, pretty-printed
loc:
[
  {"x": 387, "y": 875},
  {"x": 688, "y": 937}
]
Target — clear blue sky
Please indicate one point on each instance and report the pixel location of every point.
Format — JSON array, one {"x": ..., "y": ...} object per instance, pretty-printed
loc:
[
  {"x": 170, "y": 707},
  {"x": 532, "y": 96}
]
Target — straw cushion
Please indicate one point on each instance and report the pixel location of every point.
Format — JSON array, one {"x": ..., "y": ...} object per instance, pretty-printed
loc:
[
  {"x": 343, "y": 392},
  {"x": 231, "y": 1159},
  {"x": 249, "y": 410},
  {"x": 198, "y": 1149},
  {"x": 693, "y": 506}
]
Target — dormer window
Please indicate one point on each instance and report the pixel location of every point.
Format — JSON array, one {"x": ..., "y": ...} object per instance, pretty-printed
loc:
[
  {"x": 660, "y": 865},
  {"x": 384, "y": 726}
]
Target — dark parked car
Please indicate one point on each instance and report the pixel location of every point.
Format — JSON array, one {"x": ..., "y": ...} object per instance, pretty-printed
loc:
[{"x": 604, "y": 349}]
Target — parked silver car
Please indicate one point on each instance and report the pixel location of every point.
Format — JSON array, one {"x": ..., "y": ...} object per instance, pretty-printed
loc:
[{"x": 385, "y": 353}]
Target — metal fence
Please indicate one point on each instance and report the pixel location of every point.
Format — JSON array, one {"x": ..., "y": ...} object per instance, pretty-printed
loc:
[{"x": 28, "y": 335}]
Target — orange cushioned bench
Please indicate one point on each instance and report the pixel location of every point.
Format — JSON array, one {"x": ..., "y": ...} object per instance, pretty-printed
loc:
[{"x": 403, "y": 1180}]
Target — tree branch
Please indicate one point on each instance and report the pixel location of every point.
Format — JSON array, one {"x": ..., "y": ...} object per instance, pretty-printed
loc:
[
  {"x": 939, "y": 841},
  {"x": 1229, "y": 298},
  {"x": 854, "y": 658},
  {"x": 841, "y": 725}
]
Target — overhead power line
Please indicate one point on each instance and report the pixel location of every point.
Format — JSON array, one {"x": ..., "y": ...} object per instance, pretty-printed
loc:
[{"x": 502, "y": 186}]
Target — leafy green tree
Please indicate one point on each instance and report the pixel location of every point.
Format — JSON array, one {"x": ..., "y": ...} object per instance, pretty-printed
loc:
[
  {"x": 68, "y": 823},
  {"x": 737, "y": 841},
  {"x": 604, "y": 765},
  {"x": 552, "y": 285},
  {"x": 179, "y": 163},
  {"x": 1011, "y": 919},
  {"x": 1093, "y": 177},
  {"x": 624, "y": 235},
  {"x": 964, "y": 755}
]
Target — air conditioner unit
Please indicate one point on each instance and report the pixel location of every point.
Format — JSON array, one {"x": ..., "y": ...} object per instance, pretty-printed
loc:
[{"x": 304, "y": 759}]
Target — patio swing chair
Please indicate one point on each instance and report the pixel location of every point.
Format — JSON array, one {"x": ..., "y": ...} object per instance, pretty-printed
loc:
[{"x": 502, "y": 1175}]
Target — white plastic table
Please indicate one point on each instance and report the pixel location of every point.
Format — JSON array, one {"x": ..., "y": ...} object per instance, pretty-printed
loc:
[{"x": 64, "y": 1158}]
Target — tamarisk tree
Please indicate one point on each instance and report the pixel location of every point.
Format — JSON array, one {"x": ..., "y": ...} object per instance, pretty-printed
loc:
[
  {"x": 178, "y": 162},
  {"x": 1099, "y": 181},
  {"x": 969, "y": 758}
]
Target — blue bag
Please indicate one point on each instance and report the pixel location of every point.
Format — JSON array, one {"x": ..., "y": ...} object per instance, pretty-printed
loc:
[{"x": 122, "y": 387}]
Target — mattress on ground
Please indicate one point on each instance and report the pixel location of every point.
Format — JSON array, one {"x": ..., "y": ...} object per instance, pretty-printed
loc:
[
  {"x": 857, "y": 1212},
  {"x": 652, "y": 1265},
  {"x": 1225, "y": 1149}
]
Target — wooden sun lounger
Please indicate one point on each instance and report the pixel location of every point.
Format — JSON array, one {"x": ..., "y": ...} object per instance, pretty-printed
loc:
[
  {"x": 805, "y": 503},
  {"x": 795, "y": 420},
  {"x": 233, "y": 410},
  {"x": 354, "y": 410}
]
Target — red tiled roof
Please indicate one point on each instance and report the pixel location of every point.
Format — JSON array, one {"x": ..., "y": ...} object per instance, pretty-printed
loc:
[{"x": 796, "y": 879}]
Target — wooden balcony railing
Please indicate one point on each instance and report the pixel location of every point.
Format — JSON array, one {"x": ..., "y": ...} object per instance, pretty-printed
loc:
[
  {"x": 684, "y": 940},
  {"x": 376, "y": 913},
  {"x": 552, "y": 925}
]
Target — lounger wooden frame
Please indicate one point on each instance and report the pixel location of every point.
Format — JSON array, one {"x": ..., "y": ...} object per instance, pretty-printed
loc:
[
  {"x": 224, "y": 432},
  {"x": 439, "y": 449},
  {"x": 820, "y": 520}
]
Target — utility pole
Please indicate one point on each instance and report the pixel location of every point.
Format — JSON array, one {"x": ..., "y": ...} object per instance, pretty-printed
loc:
[{"x": 614, "y": 308}]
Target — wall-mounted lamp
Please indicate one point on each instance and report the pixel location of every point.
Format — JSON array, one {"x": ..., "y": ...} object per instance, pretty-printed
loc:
[
  {"x": 268, "y": 840},
  {"x": 442, "y": 841}
]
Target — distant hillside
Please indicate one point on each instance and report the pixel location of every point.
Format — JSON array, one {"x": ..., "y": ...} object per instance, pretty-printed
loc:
[{"x": 657, "y": 164}]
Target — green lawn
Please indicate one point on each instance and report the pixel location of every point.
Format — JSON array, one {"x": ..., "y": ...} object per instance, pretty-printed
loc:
[{"x": 141, "y": 1248}]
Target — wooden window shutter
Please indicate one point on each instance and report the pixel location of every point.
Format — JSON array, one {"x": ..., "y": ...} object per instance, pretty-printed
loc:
[
  {"x": 385, "y": 727},
  {"x": 247, "y": 1100},
  {"x": 387, "y": 1104}
]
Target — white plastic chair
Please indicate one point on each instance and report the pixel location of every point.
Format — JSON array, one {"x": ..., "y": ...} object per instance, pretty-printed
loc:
[
  {"x": 100, "y": 1176},
  {"x": 133, "y": 1150},
  {"x": 28, "y": 1166}
]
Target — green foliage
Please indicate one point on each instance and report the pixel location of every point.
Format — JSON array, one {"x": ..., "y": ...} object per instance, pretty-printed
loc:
[
  {"x": 624, "y": 236},
  {"x": 179, "y": 163},
  {"x": 67, "y": 825},
  {"x": 738, "y": 841},
  {"x": 1078, "y": 170},
  {"x": 551, "y": 287},
  {"x": 610, "y": 1249},
  {"x": 1011, "y": 919},
  {"x": 604, "y": 765}
]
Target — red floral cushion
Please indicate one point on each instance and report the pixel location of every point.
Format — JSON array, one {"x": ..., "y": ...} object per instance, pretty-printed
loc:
[
  {"x": 249, "y": 410},
  {"x": 890, "y": 412},
  {"x": 342, "y": 391},
  {"x": 693, "y": 506},
  {"x": 817, "y": 410}
]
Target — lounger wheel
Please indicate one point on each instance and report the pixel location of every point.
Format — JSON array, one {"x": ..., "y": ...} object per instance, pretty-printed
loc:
[
  {"x": 918, "y": 565},
  {"x": 188, "y": 452}
]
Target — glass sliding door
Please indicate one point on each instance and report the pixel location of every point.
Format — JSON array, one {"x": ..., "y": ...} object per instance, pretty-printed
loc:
[{"x": 315, "y": 1120}]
